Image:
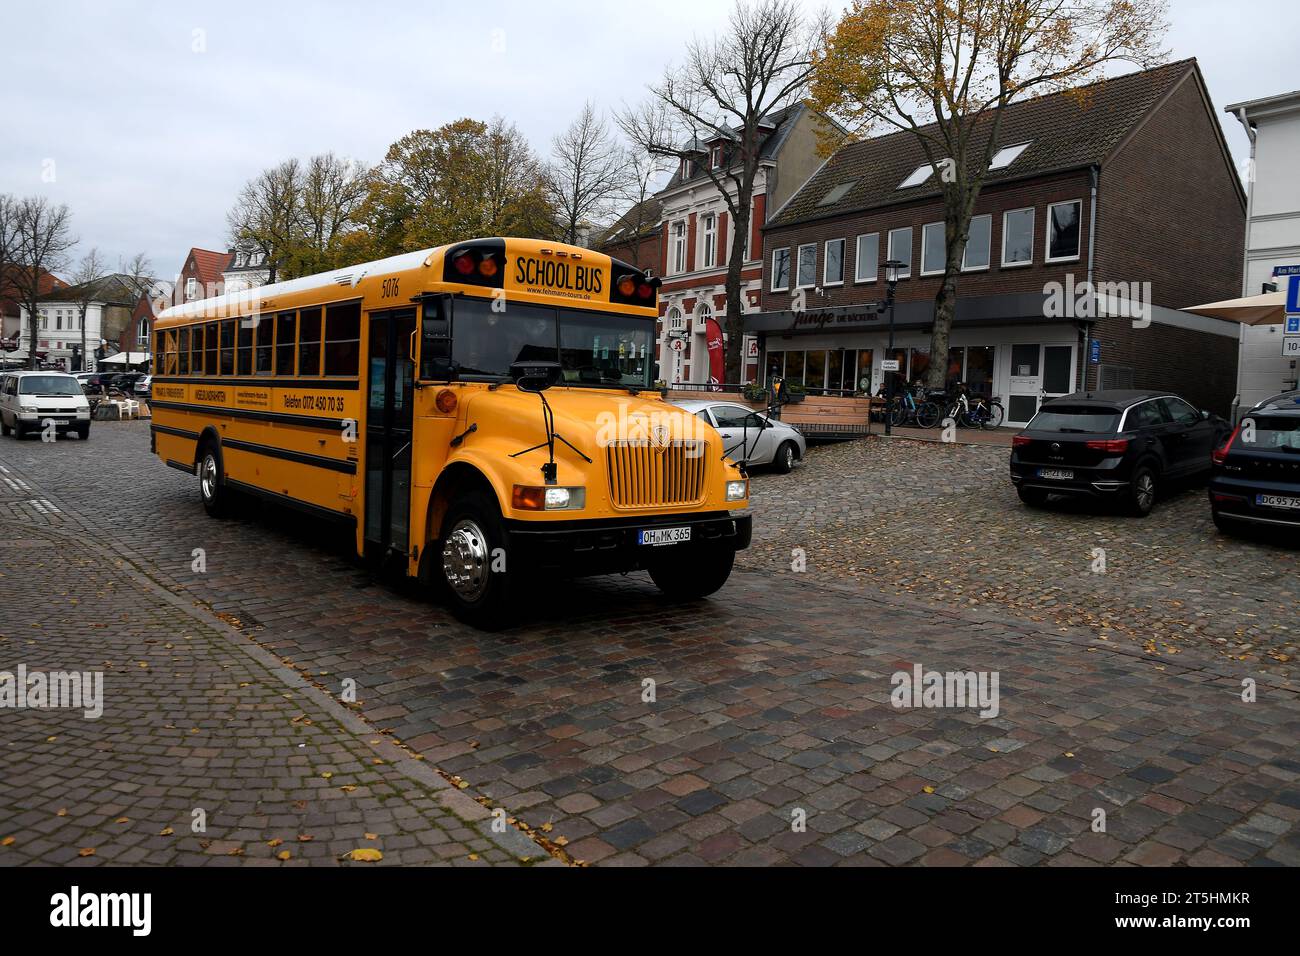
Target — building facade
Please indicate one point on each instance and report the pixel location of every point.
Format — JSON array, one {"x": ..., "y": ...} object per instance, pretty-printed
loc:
[
  {"x": 1102, "y": 214},
  {"x": 108, "y": 304},
  {"x": 695, "y": 231},
  {"x": 1272, "y": 246}
]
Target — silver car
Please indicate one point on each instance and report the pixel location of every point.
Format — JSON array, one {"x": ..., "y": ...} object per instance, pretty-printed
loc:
[{"x": 750, "y": 435}]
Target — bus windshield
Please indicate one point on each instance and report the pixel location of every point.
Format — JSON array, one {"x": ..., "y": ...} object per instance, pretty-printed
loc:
[{"x": 593, "y": 348}]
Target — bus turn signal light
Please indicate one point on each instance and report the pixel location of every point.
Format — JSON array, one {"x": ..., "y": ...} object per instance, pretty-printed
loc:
[
  {"x": 446, "y": 401},
  {"x": 548, "y": 498}
]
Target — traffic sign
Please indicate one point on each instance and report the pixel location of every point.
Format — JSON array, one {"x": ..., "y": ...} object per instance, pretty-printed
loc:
[
  {"x": 1293, "y": 295},
  {"x": 1293, "y": 325},
  {"x": 1291, "y": 346}
]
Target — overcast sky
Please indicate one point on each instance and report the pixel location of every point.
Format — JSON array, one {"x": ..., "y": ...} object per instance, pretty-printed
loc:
[{"x": 149, "y": 116}]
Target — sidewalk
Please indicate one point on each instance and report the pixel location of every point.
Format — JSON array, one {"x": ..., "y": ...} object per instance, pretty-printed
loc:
[{"x": 198, "y": 724}]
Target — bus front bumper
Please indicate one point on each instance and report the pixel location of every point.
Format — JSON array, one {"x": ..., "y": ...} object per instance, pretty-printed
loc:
[{"x": 614, "y": 545}]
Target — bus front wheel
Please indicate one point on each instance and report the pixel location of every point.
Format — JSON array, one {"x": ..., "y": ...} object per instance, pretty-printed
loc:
[
  {"x": 471, "y": 565},
  {"x": 688, "y": 580}
]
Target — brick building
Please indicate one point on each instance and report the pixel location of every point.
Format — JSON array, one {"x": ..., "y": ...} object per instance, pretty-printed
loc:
[{"x": 1127, "y": 184}]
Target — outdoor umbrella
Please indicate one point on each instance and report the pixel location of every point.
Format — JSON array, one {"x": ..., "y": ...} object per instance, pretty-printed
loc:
[{"x": 1266, "y": 309}]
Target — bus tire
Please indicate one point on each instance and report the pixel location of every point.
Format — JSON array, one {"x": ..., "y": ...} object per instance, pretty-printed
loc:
[
  {"x": 212, "y": 480},
  {"x": 469, "y": 577},
  {"x": 681, "y": 580}
]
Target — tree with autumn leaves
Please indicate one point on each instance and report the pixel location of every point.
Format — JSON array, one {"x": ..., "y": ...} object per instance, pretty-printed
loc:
[{"x": 943, "y": 72}]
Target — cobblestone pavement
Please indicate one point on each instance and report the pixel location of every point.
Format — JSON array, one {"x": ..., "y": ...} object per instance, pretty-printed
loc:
[
  {"x": 942, "y": 524},
  {"x": 772, "y": 700},
  {"x": 193, "y": 722}
]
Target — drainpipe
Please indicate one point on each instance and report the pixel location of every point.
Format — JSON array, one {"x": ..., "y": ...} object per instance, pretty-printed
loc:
[
  {"x": 1245, "y": 252},
  {"x": 1093, "y": 177}
]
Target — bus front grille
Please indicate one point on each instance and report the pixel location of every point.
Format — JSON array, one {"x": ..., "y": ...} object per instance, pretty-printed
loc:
[{"x": 642, "y": 475}]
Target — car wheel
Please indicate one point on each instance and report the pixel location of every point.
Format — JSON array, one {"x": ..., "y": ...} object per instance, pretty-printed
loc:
[
  {"x": 1034, "y": 497},
  {"x": 689, "y": 580},
  {"x": 785, "y": 458},
  {"x": 1142, "y": 491},
  {"x": 471, "y": 567},
  {"x": 19, "y": 429},
  {"x": 1224, "y": 526},
  {"x": 212, "y": 481},
  {"x": 83, "y": 432},
  {"x": 4, "y": 429}
]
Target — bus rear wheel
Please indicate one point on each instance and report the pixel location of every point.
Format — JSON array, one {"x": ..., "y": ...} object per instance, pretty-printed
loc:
[
  {"x": 212, "y": 481},
  {"x": 470, "y": 565},
  {"x": 687, "y": 580}
]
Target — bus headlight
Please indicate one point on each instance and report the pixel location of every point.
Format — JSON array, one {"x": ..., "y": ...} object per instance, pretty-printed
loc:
[
  {"x": 548, "y": 498},
  {"x": 737, "y": 490}
]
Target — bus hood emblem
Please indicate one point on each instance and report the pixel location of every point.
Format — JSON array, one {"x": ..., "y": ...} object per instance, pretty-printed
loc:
[{"x": 659, "y": 437}]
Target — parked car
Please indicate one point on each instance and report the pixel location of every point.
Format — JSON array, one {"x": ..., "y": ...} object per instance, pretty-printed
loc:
[
  {"x": 30, "y": 399},
  {"x": 143, "y": 386},
  {"x": 1118, "y": 445},
  {"x": 1256, "y": 481},
  {"x": 750, "y": 435},
  {"x": 99, "y": 381}
]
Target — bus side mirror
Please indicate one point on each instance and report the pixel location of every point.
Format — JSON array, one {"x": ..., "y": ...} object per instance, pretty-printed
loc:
[{"x": 535, "y": 376}]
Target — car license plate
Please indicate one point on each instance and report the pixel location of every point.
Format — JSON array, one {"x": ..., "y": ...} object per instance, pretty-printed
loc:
[
  {"x": 1056, "y": 474},
  {"x": 663, "y": 535},
  {"x": 1277, "y": 501}
]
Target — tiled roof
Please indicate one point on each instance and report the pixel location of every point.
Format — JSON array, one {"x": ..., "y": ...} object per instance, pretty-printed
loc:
[
  {"x": 1064, "y": 131},
  {"x": 113, "y": 289},
  {"x": 209, "y": 265},
  {"x": 643, "y": 218},
  {"x": 783, "y": 120}
]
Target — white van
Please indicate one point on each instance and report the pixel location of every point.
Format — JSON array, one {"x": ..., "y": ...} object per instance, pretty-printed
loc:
[{"x": 28, "y": 400}]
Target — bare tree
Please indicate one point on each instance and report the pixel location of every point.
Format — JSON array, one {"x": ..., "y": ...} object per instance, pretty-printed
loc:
[
  {"x": 85, "y": 286},
  {"x": 44, "y": 237},
  {"x": 8, "y": 250},
  {"x": 267, "y": 213},
  {"x": 723, "y": 90},
  {"x": 587, "y": 175},
  {"x": 643, "y": 172},
  {"x": 944, "y": 73},
  {"x": 333, "y": 190}
]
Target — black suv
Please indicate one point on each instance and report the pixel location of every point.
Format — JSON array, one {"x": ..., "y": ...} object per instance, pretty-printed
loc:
[
  {"x": 1117, "y": 445},
  {"x": 1257, "y": 470}
]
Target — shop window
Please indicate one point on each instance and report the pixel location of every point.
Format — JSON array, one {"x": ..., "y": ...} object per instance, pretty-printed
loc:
[
  {"x": 775, "y": 365},
  {"x": 979, "y": 369},
  {"x": 920, "y": 364},
  {"x": 835, "y": 369},
  {"x": 814, "y": 373},
  {"x": 342, "y": 339},
  {"x": 865, "y": 357},
  {"x": 794, "y": 366}
]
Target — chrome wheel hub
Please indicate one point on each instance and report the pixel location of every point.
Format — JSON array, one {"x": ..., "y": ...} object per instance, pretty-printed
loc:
[
  {"x": 1146, "y": 491},
  {"x": 208, "y": 477},
  {"x": 465, "y": 560}
]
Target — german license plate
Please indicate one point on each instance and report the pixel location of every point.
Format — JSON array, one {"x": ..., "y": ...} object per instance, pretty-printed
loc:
[
  {"x": 1277, "y": 501},
  {"x": 663, "y": 535},
  {"x": 1056, "y": 474}
]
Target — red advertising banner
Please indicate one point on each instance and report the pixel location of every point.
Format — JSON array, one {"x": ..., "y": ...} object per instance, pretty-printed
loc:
[{"x": 717, "y": 353}]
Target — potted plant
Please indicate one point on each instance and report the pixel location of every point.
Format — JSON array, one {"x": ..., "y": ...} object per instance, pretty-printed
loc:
[
  {"x": 755, "y": 393},
  {"x": 795, "y": 392}
]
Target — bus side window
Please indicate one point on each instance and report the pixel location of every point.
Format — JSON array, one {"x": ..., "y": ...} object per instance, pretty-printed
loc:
[
  {"x": 228, "y": 347},
  {"x": 309, "y": 342},
  {"x": 342, "y": 339},
  {"x": 284, "y": 343},
  {"x": 183, "y": 367},
  {"x": 435, "y": 339},
  {"x": 262, "y": 346},
  {"x": 210, "y": 349},
  {"x": 245, "y": 348}
]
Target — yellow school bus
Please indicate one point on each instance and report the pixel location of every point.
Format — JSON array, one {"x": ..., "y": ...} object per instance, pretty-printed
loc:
[{"x": 483, "y": 413}]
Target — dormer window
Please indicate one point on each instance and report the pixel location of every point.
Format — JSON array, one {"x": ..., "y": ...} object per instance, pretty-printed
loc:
[
  {"x": 715, "y": 155},
  {"x": 919, "y": 175},
  {"x": 1007, "y": 155}
]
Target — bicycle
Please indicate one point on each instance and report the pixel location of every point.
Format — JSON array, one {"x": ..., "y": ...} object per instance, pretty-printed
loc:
[
  {"x": 978, "y": 413},
  {"x": 908, "y": 411}
]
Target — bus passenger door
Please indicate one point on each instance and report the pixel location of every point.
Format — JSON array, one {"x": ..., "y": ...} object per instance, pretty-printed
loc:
[{"x": 390, "y": 398}]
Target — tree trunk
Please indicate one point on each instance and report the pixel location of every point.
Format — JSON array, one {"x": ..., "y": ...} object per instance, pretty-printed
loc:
[
  {"x": 33, "y": 328},
  {"x": 956, "y": 234},
  {"x": 735, "y": 324}
]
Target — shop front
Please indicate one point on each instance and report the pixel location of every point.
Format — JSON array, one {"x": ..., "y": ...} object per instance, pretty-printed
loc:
[{"x": 1022, "y": 359}]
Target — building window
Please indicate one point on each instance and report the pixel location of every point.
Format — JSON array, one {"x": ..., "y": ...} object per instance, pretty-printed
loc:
[
  {"x": 976, "y": 256},
  {"x": 702, "y": 311},
  {"x": 710, "y": 239},
  {"x": 676, "y": 321},
  {"x": 1006, "y": 156},
  {"x": 867, "y": 261},
  {"x": 900, "y": 248},
  {"x": 715, "y": 156},
  {"x": 1018, "y": 238},
  {"x": 933, "y": 252},
  {"x": 1063, "y": 230},
  {"x": 833, "y": 270},
  {"x": 142, "y": 332},
  {"x": 780, "y": 270},
  {"x": 679, "y": 248},
  {"x": 919, "y": 175},
  {"x": 806, "y": 270},
  {"x": 191, "y": 288}
]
